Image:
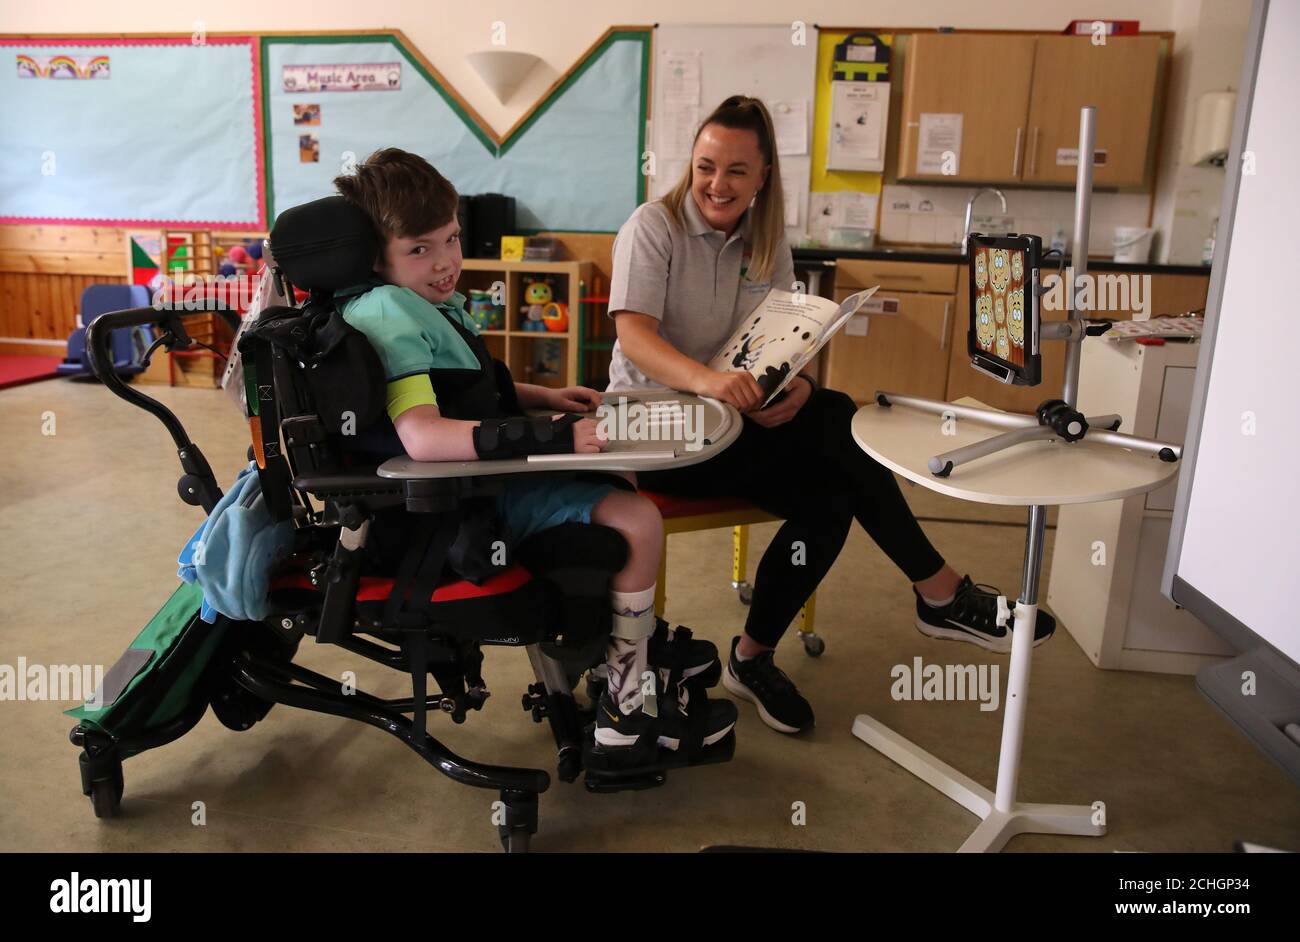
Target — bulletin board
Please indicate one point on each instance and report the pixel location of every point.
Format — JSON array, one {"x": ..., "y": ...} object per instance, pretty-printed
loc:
[
  {"x": 131, "y": 131},
  {"x": 573, "y": 164},
  {"x": 826, "y": 183},
  {"x": 774, "y": 63}
]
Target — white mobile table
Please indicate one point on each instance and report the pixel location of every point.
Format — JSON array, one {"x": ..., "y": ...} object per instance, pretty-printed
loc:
[{"x": 1033, "y": 474}]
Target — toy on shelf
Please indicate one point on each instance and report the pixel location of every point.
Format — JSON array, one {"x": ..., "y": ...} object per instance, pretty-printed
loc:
[
  {"x": 549, "y": 359},
  {"x": 537, "y": 295},
  {"x": 485, "y": 314},
  {"x": 555, "y": 317}
]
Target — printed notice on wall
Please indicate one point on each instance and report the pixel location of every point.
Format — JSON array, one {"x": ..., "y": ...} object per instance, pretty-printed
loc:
[
  {"x": 790, "y": 122},
  {"x": 855, "y": 210},
  {"x": 859, "y": 111},
  {"x": 679, "y": 78},
  {"x": 939, "y": 147},
  {"x": 352, "y": 77}
]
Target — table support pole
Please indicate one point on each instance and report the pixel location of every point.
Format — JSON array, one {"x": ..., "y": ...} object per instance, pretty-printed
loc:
[
  {"x": 1022, "y": 646},
  {"x": 1003, "y": 817}
]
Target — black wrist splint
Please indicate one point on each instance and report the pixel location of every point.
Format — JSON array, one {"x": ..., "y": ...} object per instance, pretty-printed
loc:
[{"x": 518, "y": 436}]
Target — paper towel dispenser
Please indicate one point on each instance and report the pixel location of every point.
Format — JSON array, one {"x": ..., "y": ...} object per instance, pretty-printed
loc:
[{"x": 1212, "y": 129}]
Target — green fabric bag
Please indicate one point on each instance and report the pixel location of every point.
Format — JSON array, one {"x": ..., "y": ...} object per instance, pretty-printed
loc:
[{"x": 181, "y": 645}]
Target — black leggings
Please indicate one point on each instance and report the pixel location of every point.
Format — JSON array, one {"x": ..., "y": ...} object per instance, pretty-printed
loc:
[{"x": 812, "y": 473}]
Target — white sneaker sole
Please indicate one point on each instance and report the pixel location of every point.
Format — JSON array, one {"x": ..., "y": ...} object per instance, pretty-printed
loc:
[
  {"x": 734, "y": 686},
  {"x": 996, "y": 645},
  {"x": 613, "y": 739}
]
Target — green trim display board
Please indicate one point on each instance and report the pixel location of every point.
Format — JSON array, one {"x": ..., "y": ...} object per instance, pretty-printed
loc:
[{"x": 574, "y": 165}]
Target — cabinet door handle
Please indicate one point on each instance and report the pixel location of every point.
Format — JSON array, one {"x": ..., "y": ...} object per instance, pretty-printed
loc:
[
  {"x": 947, "y": 323},
  {"x": 1015, "y": 161},
  {"x": 1033, "y": 152}
]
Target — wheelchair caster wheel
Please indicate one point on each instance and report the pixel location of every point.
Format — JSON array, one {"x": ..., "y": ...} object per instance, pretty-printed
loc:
[
  {"x": 744, "y": 591},
  {"x": 813, "y": 645},
  {"x": 238, "y": 709},
  {"x": 520, "y": 822},
  {"x": 106, "y": 799},
  {"x": 101, "y": 773},
  {"x": 515, "y": 842}
]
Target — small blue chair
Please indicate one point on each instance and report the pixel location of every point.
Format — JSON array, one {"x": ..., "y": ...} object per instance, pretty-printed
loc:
[{"x": 128, "y": 344}]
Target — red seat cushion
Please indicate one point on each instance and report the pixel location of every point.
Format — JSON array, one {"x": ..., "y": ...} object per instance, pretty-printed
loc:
[
  {"x": 670, "y": 505},
  {"x": 378, "y": 588}
]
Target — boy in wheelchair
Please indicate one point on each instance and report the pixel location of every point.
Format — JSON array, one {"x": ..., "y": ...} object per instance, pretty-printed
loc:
[{"x": 448, "y": 400}]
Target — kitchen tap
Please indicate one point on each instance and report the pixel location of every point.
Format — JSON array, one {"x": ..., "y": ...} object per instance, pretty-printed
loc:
[{"x": 970, "y": 207}]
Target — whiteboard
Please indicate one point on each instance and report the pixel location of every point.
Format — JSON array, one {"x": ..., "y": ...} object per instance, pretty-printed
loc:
[
  {"x": 1234, "y": 550},
  {"x": 766, "y": 62}
]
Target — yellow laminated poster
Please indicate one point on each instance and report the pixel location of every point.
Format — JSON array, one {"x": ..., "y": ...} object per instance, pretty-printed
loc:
[{"x": 512, "y": 248}]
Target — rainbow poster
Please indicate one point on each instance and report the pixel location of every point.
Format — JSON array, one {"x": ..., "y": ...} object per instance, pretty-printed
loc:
[{"x": 62, "y": 66}]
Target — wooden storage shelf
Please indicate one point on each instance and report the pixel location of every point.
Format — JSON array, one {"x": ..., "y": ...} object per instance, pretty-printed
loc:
[
  {"x": 199, "y": 253},
  {"x": 512, "y": 344}
]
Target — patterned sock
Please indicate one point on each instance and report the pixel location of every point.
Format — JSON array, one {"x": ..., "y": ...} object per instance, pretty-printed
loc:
[{"x": 626, "y": 659}]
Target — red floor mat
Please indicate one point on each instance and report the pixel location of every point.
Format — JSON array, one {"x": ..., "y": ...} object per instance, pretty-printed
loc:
[{"x": 14, "y": 371}]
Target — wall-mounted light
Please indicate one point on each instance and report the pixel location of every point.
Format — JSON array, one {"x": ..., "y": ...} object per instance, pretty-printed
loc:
[{"x": 502, "y": 70}]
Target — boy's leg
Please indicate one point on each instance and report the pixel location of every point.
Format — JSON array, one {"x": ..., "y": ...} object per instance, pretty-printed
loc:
[
  {"x": 632, "y": 592},
  {"x": 636, "y": 646},
  {"x": 625, "y": 713}
]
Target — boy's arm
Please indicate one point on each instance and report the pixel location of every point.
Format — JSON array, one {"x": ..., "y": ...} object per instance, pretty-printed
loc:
[
  {"x": 531, "y": 396},
  {"x": 427, "y": 436}
]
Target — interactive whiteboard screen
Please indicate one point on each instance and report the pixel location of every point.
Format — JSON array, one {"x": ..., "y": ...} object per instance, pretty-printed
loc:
[{"x": 1234, "y": 552}]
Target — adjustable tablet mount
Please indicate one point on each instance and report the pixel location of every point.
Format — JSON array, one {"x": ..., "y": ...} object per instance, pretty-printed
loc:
[{"x": 1054, "y": 418}]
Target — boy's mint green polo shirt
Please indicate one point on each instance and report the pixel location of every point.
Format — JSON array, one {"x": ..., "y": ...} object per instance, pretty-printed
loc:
[{"x": 411, "y": 338}]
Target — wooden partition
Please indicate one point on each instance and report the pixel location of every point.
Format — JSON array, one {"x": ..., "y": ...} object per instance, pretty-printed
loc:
[{"x": 43, "y": 270}]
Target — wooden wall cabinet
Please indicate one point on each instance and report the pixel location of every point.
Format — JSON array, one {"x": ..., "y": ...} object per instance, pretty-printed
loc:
[
  {"x": 1119, "y": 79},
  {"x": 985, "y": 77},
  {"x": 1020, "y": 96}
]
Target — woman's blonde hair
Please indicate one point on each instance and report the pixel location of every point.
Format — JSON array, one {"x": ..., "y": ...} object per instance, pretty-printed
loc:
[{"x": 768, "y": 221}]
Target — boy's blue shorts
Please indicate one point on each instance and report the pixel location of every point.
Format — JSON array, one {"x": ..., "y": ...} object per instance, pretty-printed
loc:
[{"x": 535, "y": 502}]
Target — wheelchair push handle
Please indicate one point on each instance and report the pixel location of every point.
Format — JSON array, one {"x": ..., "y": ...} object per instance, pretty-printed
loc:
[{"x": 197, "y": 485}]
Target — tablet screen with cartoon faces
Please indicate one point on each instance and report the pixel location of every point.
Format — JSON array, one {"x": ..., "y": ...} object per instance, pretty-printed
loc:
[{"x": 1000, "y": 311}]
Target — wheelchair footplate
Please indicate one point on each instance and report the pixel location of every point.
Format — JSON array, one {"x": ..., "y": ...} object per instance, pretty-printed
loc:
[{"x": 643, "y": 766}]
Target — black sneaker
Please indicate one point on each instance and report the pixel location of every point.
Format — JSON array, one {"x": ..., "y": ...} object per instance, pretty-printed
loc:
[
  {"x": 973, "y": 616},
  {"x": 617, "y": 731},
  {"x": 765, "y": 685}
]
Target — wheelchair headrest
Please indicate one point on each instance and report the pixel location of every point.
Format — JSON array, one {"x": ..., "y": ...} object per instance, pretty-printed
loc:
[{"x": 326, "y": 244}]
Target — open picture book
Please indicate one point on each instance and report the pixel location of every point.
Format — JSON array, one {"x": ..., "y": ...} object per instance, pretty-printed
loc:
[{"x": 782, "y": 334}]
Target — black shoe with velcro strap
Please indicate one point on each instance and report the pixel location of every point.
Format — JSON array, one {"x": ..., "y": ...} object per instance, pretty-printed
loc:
[
  {"x": 635, "y": 750},
  {"x": 671, "y": 649}
]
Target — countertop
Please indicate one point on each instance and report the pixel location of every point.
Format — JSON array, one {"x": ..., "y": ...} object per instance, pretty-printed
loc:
[{"x": 950, "y": 256}]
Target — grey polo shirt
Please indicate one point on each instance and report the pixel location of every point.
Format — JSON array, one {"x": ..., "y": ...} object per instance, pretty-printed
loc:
[{"x": 692, "y": 279}]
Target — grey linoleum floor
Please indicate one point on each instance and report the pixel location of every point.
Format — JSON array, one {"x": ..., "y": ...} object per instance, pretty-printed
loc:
[{"x": 89, "y": 531}]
